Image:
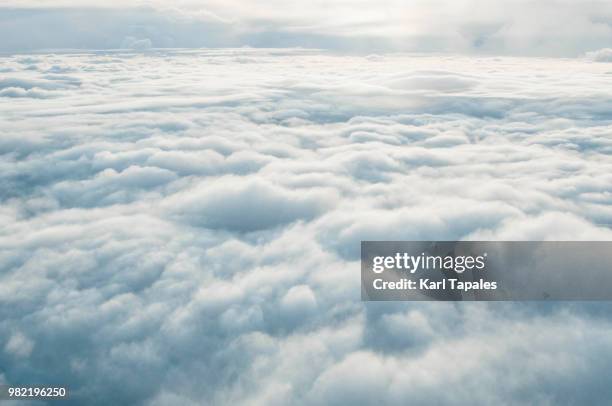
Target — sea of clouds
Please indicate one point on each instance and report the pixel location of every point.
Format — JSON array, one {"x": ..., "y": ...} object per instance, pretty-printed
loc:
[{"x": 183, "y": 227}]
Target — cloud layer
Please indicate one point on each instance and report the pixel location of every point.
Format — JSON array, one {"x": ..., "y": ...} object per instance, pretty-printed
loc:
[{"x": 184, "y": 227}]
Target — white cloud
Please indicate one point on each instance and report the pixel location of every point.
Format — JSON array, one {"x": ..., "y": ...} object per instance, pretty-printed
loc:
[
  {"x": 247, "y": 204},
  {"x": 19, "y": 345},
  {"x": 601, "y": 55},
  {"x": 180, "y": 226}
]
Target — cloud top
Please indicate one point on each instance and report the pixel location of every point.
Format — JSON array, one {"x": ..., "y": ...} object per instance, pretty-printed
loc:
[{"x": 182, "y": 227}]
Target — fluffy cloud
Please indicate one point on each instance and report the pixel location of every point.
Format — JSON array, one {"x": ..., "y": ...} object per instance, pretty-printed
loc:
[
  {"x": 184, "y": 227},
  {"x": 19, "y": 345},
  {"x": 247, "y": 204}
]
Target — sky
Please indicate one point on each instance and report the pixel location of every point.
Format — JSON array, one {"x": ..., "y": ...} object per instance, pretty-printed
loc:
[
  {"x": 183, "y": 227},
  {"x": 514, "y": 27}
]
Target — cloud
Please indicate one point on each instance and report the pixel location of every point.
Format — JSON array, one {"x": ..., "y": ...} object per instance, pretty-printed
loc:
[
  {"x": 247, "y": 204},
  {"x": 185, "y": 225},
  {"x": 38, "y": 88},
  {"x": 601, "y": 55},
  {"x": 525, "y": 27},
  {"x": 453, "y": 363},
  {"x": 20, "y": 92},
  {"x": 137, "y": 44},
  {"x": 19, "y": 345}
]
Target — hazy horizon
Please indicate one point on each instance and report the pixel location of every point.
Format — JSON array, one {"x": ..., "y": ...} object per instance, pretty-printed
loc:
[{"x": 519, "y": 27}]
